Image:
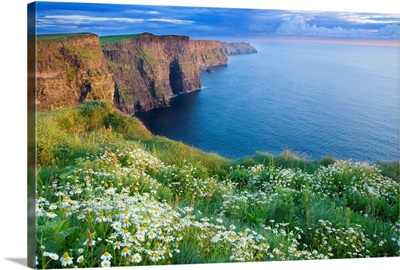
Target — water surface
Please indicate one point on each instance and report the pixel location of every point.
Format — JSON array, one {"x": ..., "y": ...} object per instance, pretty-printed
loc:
[{"x": 315, "y": 99}]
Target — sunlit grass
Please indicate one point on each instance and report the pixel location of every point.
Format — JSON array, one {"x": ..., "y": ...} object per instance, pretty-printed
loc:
[{"x": 111, "y": 194}]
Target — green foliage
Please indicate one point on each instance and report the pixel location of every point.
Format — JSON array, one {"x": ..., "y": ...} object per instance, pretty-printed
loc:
[
  {"x": 57, "y": 37},
  {"x": 390, "y": 169},
  {"x": 115, "y": 38},
  {"x": 71, "y": 73},
  {"x": 107, "y": 188}
]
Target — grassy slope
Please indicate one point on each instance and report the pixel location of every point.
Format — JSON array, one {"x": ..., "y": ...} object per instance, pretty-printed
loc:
[
  {"x": 289, "y": 194},
  {"x": 56, "y": 37},
  {"x": 66, "y": 134},
  {"x": 117, "y": 38}
]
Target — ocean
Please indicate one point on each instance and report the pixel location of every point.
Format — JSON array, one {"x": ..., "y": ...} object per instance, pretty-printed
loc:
[{"x": 314, "y": 99}]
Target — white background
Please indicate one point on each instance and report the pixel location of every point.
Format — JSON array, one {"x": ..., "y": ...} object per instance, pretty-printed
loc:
[{"x": 14, "y": 132}]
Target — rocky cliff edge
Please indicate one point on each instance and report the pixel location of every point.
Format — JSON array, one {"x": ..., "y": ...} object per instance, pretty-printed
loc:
[{"x": 136, "y": 72}]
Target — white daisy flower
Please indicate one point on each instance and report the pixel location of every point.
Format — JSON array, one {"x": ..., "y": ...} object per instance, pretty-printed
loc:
[
  {"x": 106, "y": 256},
  {"x": 125, "y": 251},
  {"x": 116, "y": 225},
  {"x": 136, "y": 258},
  {"x": 52, "y": 256},
  {"x": 66, "y": 259},
  {"x": 51, "y": 214},
  {"x": 106, "y": 263}
]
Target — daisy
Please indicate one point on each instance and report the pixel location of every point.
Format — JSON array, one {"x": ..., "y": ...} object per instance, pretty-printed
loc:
[
  {"x": 51, "y": 214},
  {"x": 66, "y": 259},
  {"x": 91, "y": 243},
  {"x": 136, "y": 258},
  {"x": 80, "y": 259},
  {"x": 118, "y": 245},
  {"x": 105, "y": 263},
  {"x": 125, "y": 223},
  {"x": 154, "y": 257},
  {"x": 52, "y": 256},
  {"x": 101, "y": 218},
  {"x": 140, "y": 237},
  {"x": 125, "y": 251},
  {"x": 68, "y": 212},
  {"x": 106, "y": 256},
  {"x": 116, "y": 225},
  {"x": 151, "y": 234}
]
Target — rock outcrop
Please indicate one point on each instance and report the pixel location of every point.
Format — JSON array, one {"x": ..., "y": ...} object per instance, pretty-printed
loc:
[
  {"x": 69, "y": 70},
  {"x": 231, "y": 48},
  {"x": 149, "y": 70},
  {"x": 137, "y": 72}
]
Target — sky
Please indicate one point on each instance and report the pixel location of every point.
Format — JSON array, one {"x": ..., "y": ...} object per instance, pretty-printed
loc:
[{"x": 202, "y": 22}]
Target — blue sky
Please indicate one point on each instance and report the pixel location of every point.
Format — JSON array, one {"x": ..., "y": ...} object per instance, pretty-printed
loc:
[{"x": 200, "y": 22}]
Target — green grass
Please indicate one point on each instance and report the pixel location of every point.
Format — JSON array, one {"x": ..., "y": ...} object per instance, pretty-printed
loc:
[
  {"x": 117, "y": 38},
  {"x": 64, "y": 134},
  {"x": 57, "y": 37},
  {"x": 99, "y": 168}
]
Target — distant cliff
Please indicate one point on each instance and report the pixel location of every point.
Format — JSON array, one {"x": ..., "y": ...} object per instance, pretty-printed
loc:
[
  {"x": 136, "y": 72},
  {"x": 149, "y": 70},
  {"x": 231, "y": 48},
  {"x": 69, "y": 70}
]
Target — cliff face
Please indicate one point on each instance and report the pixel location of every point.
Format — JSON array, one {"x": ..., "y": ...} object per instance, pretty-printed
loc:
[
  {"x": 231, "y": 48},
  {"x": 149, "y": 70},
  {"x": 69, "y": 70},
  {"x": 137, "y": 72}
]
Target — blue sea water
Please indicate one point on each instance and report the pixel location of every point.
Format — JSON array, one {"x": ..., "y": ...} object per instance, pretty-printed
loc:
[{"x": 315, "y": 99}]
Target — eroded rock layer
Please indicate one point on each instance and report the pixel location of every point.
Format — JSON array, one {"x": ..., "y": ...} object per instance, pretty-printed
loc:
[
  {"x": 136, "y": 72},
  {"x": 69, "y": 70},
  {"x": 149, "y": 70}
]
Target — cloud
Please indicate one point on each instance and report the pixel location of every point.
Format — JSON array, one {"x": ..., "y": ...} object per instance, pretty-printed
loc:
[
  {"x": 80, "y": 19},
  {"x": 298, "y": 25},
  {"x": 368, "y": 18},
  {"x": 175, "y": 21},
  {"x": 390, "y": 31},
  {"x": 137, "y": 11}
]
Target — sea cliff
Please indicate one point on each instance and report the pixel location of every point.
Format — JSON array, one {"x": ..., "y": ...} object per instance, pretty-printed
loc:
[
  {"x": 149, "y": 70},
  {"x": 69, "y": 70},
  {"x": 137, "y": 72}
]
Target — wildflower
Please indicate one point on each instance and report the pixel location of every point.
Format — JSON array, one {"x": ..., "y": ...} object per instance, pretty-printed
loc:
[
  {"x": 66, "y": 259},
  {"x": 136, "y": 258},
  {"x": 106, "y": 256},
  {"x": 51, "y": 214},
  {"x": 116, "y": 225},
  {"x": 80, "y": 259},
  {"x": 91, "y": 243},
  {"x": 105, "y": 263},
  {"x": 80, "y": 250},
  {"x": 140, "y": 237},
  {"x": 52, "y": 256},
  {"x": 125, "y": 251},
  {"x": 154, "y": 257},
  {"x": 125, "y": 223},
  {"x": 118, "y": 245}
]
